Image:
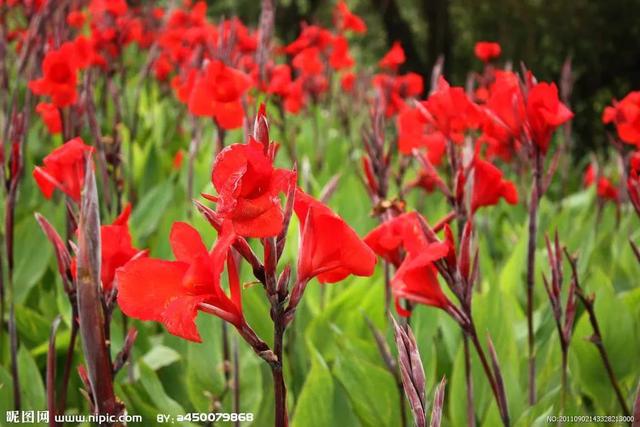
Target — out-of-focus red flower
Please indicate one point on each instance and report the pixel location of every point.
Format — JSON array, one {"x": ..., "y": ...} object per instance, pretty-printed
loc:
[
  {"x": 486, "y": 51},
  {"x": 76, "y": 19},
  {"x": 633, "y": 189},
  {"x": 626, "y": 117},
  {"x": 394, "y": 58},
  {"x": 347, "y": 20},
  {"x": 545, "y": 112},
  {"x": 340, "y": 57},
  {"x": 452, "y": 112},
  {"x": 589, "y": 176},
  {"x": 177, "y": 160},
  {"x": 162, "y": 67},
  {"x": 415, "y": 131},
  {"x": 395, "y": 89},
  {"x": 294, "y": 98},
  {"x": 217, "y": 93},
  {"x": 170, "y": 291},
  {"x": 308, "y": 61},
  {"x": 347, "y": 81},
  {"x": 605, "y": 188},
  {"x": 116, "y": 249},
  {"x": 634, "y": 161},
  {"x": 607, "y": 191},
  {"x": 329, "y": 249},
  {"x": 248, "y": 187},
  {"x": 505, "y": 109},
  {"x": 114, "y": 7},
  {"x": 50, "y": 116},
  {"x": 64, "y": 169},
  {"x": 489, "y": 186},
  {"x": 428, "y": 179},
  {"x": 311, "y": 36},
  {"x": 59, "y": 78}
]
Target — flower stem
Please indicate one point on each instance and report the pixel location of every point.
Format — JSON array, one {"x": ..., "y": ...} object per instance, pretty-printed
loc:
[
  {"x": 500, "y": 401},
  {"x": 531, "y": 262}
]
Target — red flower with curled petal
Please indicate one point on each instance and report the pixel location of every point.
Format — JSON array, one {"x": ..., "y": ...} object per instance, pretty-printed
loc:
[
  {"x": 329, "y": 248},
  {"x": 486, "y": 51},
  {"x": 248, "y": 189},
  {"x": 50, "y": 116},
  {"x": 545, "y": 113},
  {"x": 171, "y": 291},
  {"x": 417, "y": 278},
  {"x": 489, "y": 186},
  {"x": 63, "y": 169},
  {"x": 394, "y": 58}
]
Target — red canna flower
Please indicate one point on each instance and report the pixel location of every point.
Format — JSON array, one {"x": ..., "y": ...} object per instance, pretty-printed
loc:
[
  {"x": 170, "y": 291},
  {"x": 394, "y": 58},
  {"x": 63, "y": 169},
  {"x": 626, "y": 117},
  {"x": 76, "y": 19},
  {"x": 607, "y": 191},
  {"x": 50, "y": 116},
  {"x": 176, "y": 164},
  {"x": 117, "y": 249},
  {"x": 347, "y": 20},
  {"x": 308, "y": 61},
  {"x": 59, "y": 76},
  {"x": 329, "y": 249},
  {"x": 545, "y": 113},
  {"x": 417, "y": 278},
  {"x": 486, "y": 51},
  {"x": 217, "y": 93},
  {"x": 347, "y": 81},
  {"x": 340, "y": 57},
  {"x": 452, "y": 112},
  {"x": 415, "y": 131},
  {"x": 248, "y": 187},
  {"x": 489, "y": 186},
  {"x": 604, "y": 189},
  {"x": 403, "y": 231},
  {"x": 589, "y": 176}
]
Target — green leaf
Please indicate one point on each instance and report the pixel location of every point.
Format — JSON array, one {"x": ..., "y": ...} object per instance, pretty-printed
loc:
[
  {"x": 151, "y": 209},
  {"x": 32, "y": 255},
  {"x": 156, "y": 392},
  {"x": 315, "y": 404},
  {"x": 160, "y": 356},
  {"x": 371, "y": 389},
  {"x": 32, "y": 389}
]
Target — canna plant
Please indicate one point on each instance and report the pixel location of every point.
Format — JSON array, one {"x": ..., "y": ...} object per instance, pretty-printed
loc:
[{"x": 248, "y": 205}]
